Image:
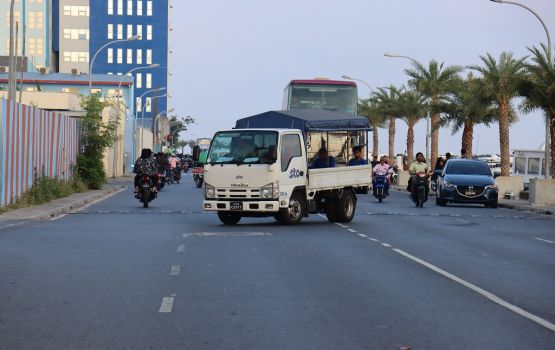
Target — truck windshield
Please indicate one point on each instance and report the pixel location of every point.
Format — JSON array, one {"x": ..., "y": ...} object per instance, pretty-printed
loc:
[{"x": 243, "y": 147}]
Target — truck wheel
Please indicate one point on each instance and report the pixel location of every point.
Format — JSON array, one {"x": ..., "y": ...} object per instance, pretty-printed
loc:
[
  {"x": 294, "y": 213},
  {"x": 228, "y": 218},
  {"x": 346, "y": 206},
  {"x": 331, "y": 210}
]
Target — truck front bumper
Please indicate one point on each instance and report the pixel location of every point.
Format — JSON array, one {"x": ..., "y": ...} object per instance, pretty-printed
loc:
[{"x": 246, "y": 206}]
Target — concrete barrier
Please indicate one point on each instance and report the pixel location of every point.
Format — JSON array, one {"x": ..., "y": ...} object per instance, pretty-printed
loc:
[
  {"x": 509, "y": 184},
  {"x": 403, "y": 177},
  {"x": 542, "y": 191}
]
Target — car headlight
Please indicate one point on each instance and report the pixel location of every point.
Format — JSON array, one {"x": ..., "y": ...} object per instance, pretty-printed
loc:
[
  {"x": 447, "y": 184},
  {"x": 492, "y": 187},
  {"x": 209, "y": 191},
  {"x": 270, "y": 190}
]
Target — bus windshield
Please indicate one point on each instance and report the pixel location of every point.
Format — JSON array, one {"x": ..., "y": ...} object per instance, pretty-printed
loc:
[
  {"x": 242, "y": 147},
  {"x": 331, "y": 97}
]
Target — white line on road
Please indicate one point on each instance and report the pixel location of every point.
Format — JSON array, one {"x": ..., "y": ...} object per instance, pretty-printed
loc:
[
  {"x": 181, "y": 248},
  {"x": 351, "y": 230},
  {"x": 322, "y": 216},
  {"x": 544, "y": 240},
  {"x": 100, "y": 199},
  {"x": 362, "y": 235},
  {"x": 175, "y": 270},
  {"x": 373, "y": 239},
  {"x": 11, "y": 225},
  {"x": 341, "y": 225},
  {"x": 481, "y": 291},
  {"x": 167, "y": 304},
  {"x": 386, "y": 245},
  {"x": 225, "y": 234},
  {"x": 463, "y": 221}
]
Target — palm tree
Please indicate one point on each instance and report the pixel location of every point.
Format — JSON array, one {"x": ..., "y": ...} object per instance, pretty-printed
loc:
[
  {"x": 435, "y": 82},
  {"x": 412, "y": 108},
  {"x": 387, "y": 100},
  {"x": 538, "y": 91},
  {"x": 465, "y": 108},
  {"x": 369, "y": 109},
  {"x": 500, "y": 82}
]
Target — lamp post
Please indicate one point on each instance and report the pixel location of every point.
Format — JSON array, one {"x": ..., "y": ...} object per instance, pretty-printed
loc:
[
  {"x": 428, "y": 117},
  {"x": 547, "y": 119},
  {"x": 134, "y": 37},
  {"x": 143, "y": 116},
  {"x": 360, "y": 80},
  {"x": 135, "y": 119},
  {"x": 167, "y": 111}
]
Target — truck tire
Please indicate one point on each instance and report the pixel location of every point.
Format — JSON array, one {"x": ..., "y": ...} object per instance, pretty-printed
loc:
[
  {"x": 331, "y": 210},
  {"x": 346, "y": 206},
  {"x": 229, "y": 218},
  {"x": 294, "y": 213}
]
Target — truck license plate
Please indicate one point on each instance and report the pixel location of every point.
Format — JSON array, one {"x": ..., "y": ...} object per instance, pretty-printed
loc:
[{"x": 236, "y": 206}]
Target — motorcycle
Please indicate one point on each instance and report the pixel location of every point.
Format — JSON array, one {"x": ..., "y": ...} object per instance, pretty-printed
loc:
[
  {"x": 176, "y": 174},
  {"x": 161, "y": 181},
  {"x": 420, "y": 185},
  {"x": 147, "y": 191},
  {"x": 185, "y": 167},
  {"x": 380, "y": 185}
]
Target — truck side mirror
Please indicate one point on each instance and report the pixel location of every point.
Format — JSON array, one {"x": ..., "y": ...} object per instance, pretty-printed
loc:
[{"x": 196, "y": 153}]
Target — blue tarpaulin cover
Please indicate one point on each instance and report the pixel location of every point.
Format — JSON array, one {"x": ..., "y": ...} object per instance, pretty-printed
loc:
[{"x": 305, "y": 120}]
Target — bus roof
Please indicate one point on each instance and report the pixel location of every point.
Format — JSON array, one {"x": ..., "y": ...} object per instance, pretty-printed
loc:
[{"x": 321, "y": 82}]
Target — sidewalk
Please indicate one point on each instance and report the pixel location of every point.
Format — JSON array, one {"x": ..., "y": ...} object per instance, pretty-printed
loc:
[
  {"x": 515, "y": 204},
  {"x": 67, "y": 204}
]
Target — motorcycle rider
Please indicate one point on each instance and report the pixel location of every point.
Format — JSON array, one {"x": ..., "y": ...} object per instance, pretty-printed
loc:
[
  {"x": 357, "y": 157},
  {"x": 172, "y": 161},
  {"x": 145, "y": 165},
  {"x": 382, "y": 168},
  {"x": 417, "y": 167}
]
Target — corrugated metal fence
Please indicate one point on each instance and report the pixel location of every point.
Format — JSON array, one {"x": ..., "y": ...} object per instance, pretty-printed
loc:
[{"x": 33, "y": 142}]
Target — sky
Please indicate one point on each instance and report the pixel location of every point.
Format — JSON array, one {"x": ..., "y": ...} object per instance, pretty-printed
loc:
[{"x": 232, "y": 58}]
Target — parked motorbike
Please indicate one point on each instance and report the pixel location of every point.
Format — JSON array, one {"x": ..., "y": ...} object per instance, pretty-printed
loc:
[
  {"x": 380, "y": 185},
  {"x": 147, "y": 191},
  {"x": 420, "y": 185}
]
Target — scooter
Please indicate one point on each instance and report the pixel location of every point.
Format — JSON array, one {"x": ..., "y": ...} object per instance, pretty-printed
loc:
[
  {"x": 147, "y": 191},
  {"x": 380, "y": 185},
  {"x": 420, "y": 185}
]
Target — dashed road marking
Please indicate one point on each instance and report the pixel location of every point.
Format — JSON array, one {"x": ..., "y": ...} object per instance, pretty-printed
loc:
[
  {"x": 386, "y": 245},
  {"x": 341, "y": 225},
  {"x": 351, "y": 230},
  {"x": 181, "y": 248},
  {"x": 481, "y": 291},
  {"x": 363, "y": 235},
  {"x": 463, "y": 221},
  {"x": 175, "y": 270},
  {"x": 373, "y": 239},
  {"x": 544, "y": 240},
  {"x": 167, "y": 304},
  {"x": 226, "y": 234}
]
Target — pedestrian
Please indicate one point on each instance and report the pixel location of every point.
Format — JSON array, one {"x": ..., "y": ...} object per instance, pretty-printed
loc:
[{"x": 440, "y": 163}]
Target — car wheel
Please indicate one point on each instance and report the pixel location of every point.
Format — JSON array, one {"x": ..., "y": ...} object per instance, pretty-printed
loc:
[{"x": 294, "y": 213}]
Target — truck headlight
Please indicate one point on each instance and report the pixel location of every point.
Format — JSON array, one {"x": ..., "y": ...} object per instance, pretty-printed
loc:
[
  {"x": 270, "y": 190},
  {"x": 209, "y": 191}
]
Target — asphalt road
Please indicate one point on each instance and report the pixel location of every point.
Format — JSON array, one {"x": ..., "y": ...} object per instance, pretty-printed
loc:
[{"x": 117, "y": 276}]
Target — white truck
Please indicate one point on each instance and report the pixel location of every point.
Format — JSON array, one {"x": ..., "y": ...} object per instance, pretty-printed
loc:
[{"x": 259, "y": 171}]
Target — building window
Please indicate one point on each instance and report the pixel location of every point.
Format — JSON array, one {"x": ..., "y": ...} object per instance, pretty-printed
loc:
[
  {"x": 76, "y": 56},
  {"x": 35, "y": 20},
  {"x": 110, "y": 55},
  {"x": 18, "y": 45},
  {"x": 148, "y": 84},
  {"x": 35, "y": 46},
  {"x": 148, "y": 106},
  {"x": 110, "y": 7},
  {"x": 83, "y": 56},
  {"x": 120, "y": 31},
  {"x": 139, "y": 56},
  {"x": 129, "y": 31},
  {"x": 130, "y": 7},
  {"x": 71, "y": 10},
  {"x": 149, "y": 8},
  {"x": 96, "y": 91},
  {"x": 148, "y": 56},
  {"x": 139, "y": 7},
  {"x": 110, "y": 31},
  {"x": 139, "y": 80},
  {"x": 120, "y": 56},
  {"x": 140, "y": 30},
  {"x": 138, "y": 104},
  {"x": 149, "y": 32},
  {"x": 533, "y": 166},
  {"x": 16, "y": 17},
  {"x": 120, "y": 7},
  {"x": 129, "y": 56},
  {"x": 76, "y": 34}
]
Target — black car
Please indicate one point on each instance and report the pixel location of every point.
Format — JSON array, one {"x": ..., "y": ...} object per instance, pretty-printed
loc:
[{"x": 466, "y": 181}]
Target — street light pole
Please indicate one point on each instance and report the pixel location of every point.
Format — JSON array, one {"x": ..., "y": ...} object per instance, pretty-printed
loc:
[
  {"x": 135, "y": 119},
  {"x": 167, "y": 111},
  {"x": 428, "y": 117},
  {"x": 12, "y": 53},
  {"x": 143, "y": 116},
  {"x": 370, "y": 96},
  {"x": 547, "y": 154}
]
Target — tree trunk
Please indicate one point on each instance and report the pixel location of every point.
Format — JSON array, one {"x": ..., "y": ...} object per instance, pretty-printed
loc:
[
  {"x": 504, "y": 138},
  {"x": 467, "y": 138},
  {"x": 410, "y": 143},
  {"x": 375, "y": 143},
  {"x": 435, "y": 139},
  {"x": 391, "y": 138}
]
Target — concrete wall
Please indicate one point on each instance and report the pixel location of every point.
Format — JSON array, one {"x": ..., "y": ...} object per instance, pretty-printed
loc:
[
  {"x": 49, "y": 100},
  {"x": 542, "y": 191},
  {"x": 512, "y": 184}
]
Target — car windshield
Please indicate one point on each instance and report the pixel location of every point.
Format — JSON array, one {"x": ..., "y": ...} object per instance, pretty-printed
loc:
[
  {"x": 467, "y": 168},
  {"x": 243, "y": 147}
]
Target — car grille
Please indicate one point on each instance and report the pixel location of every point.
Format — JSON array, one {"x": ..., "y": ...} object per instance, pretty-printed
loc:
[
  {"x": 235, "y": 193},
  {"x": 466, "y": 191}
]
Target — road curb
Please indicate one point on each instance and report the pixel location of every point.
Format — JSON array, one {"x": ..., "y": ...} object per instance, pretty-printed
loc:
[{"x": 543, "y": 211}]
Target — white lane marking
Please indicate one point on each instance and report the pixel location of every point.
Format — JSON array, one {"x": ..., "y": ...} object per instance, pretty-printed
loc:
[
  {"x": 181, "y": 248},
  {"x": 463, "y": 221},
  {"x": 544, "y": 240},
  {"x": 363, "y": 236},
  {"x": 167, "y": 304},
  {"x": 481, "y": 291},
  {"x": 100, "y": 199},
  {"x": 175, "y": 270},
  {"x": 373, "y": 239},
  {"x": 351, "y": 230},
  {"x": 341, "y": 225},
  {"x": 225, "y": 234},
  {"x": 386, "y": 245},
  {"x": 11, "y": 225}
]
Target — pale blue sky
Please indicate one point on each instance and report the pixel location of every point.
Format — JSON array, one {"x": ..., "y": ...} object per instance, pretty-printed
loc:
[{"x": 232, "y": 58}]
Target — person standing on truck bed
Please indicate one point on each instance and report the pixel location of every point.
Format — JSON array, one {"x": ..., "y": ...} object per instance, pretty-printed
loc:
[
  {"x": 357, "y": 157},
  {"x": 323, "y": 160}
]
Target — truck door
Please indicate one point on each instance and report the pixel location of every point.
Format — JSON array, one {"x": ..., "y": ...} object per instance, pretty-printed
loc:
[{"x": 293, "y": 163}]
